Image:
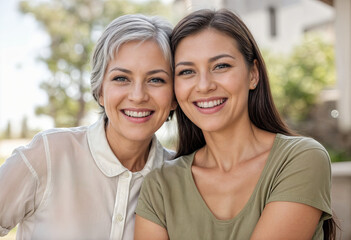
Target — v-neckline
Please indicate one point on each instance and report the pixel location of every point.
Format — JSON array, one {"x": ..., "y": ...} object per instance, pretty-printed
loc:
[{"x": 248, "y": 203}]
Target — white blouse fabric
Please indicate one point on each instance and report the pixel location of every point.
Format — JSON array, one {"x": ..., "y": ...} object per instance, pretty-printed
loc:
[{"x": 68, "y": 184}]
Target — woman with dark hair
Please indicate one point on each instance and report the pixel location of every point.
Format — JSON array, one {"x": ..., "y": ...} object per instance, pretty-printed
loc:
[{"x": 240, "y": 172}]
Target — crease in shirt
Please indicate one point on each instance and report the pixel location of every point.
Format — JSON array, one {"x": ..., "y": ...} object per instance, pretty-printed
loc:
[
  {"x": 30, "y": 167},
  {"x": 48, "y": 167},
  {"x": 35, "y": 176}
]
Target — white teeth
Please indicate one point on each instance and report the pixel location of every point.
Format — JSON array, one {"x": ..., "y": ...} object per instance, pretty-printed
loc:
[
  {"x": 137, "y": 114},
  {"x": 210, "y": 104}
]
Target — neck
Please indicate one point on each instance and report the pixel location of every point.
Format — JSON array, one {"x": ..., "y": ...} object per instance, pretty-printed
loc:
[
  {"x": 132, "y": 154},
  {"x": 225, "y": 150}
]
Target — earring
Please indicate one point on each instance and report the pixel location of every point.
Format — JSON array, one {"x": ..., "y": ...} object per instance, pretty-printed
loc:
[{"x": 254, "y": 85}]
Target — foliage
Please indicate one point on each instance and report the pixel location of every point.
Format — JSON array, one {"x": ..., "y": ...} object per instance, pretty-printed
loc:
[
  {"x": 339, "y": 156},
  {"x": 73, "y": 28},
  {"x": 297, "y": 79},
  {"x": 8, "y": 131},
  {"x": 24, "y": 128}
]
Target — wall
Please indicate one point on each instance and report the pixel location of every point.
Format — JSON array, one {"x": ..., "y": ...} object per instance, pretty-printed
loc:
[{"x": 341, "y": 197}]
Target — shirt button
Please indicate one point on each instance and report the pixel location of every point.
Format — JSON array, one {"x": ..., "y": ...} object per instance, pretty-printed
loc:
[
  {"x": 125, "y": 174},
  {"x": 119, "y": 218}
]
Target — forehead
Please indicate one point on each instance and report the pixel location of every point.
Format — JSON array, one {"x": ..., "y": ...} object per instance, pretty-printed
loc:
[
  {"x": 136, "y": 48},
  {"x": 207, "y": 41},
  {"x": 138, "y": 56}
]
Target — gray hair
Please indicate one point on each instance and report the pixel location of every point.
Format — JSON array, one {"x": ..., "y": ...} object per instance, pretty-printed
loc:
[{"x": 121, "y": 30}]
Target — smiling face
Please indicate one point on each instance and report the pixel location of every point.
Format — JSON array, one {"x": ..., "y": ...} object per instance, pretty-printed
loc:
[
  {"x": 137, "y": 91},
  {"x": 212, "y": 80}
]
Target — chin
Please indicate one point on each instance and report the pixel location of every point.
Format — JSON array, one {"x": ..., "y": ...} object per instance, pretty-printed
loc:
[
  {"x": 214, "y": 127},
  {"x": 139, "y": 135}
]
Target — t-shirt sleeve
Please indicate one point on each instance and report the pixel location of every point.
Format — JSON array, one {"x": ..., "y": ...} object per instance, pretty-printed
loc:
[
  {"x": 305, "y": 178},
  {"x": 150, "y": 203}
]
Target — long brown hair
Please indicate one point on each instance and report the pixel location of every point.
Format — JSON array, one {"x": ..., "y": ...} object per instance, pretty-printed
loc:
[{"x": 261, "y": 108}]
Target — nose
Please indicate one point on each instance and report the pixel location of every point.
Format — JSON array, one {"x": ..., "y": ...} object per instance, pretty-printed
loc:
[
  {"x": 205, "y": 83},
  {"x": 138, "y": 93}
]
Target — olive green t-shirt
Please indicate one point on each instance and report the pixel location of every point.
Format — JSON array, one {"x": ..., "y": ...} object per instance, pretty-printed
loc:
[{"x": 297, "y": 170}]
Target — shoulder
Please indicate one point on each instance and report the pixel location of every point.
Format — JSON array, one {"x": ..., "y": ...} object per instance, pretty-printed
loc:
[
  {"x": 63, "y": 138},
  {"x": 171, "y": 170},
  {"x": 59, "y": 133},
  {"x": 63, "y": 132},
  {"x": 58, "y": 138},
  {"x": 165, "y": 185},
  {"x": 301, "y": 152},
  {"x": 299, "y": 142},
  {"x": 299, "y": 171},
  {"x": 296, "y": 145},
  {"x": 35, "y": 152}
]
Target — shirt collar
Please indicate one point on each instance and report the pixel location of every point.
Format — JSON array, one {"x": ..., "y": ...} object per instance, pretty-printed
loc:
[{"x": 108, "y": 162}]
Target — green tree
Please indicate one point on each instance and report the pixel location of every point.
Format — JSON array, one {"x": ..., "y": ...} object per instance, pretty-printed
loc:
[
  {"x": 297, "y": 79},
  {"x": 8, "y": 131},
  {"x": 73, "y": 28},
  {"x": 24, "y": 128}
]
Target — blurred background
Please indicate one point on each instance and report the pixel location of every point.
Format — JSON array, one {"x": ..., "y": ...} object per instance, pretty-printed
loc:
[{"x": 45, "y": 49}]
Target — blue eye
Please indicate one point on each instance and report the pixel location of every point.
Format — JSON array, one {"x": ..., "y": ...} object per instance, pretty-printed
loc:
[
  {"x": 185, "y": 72},
  {"x": 120, "y": 79},
  {"x": 222, "y": 65},
  {"x": 157, "y": 80}
]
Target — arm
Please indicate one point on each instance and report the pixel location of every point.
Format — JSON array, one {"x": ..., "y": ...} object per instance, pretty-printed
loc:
[
  {"x": 299, "y": 197},
  {"x": 150, "y": 219},
  {"x": 287, "y": 220},
  {"x": 20, "y": 182},
  {"x": 17, "y": 193},
  {"x": 147, "y": 230}
]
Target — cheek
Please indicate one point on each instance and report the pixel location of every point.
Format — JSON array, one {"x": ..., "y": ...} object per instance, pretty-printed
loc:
[
  {"x": 164, "y": 98},
  {"x": 169, "y": 100},
  {"x": 236, "y": 83},
  {"x": 180, "y": 89},
  {"x": 112, "y": 97},
  {"x": 182, "y": 93}
]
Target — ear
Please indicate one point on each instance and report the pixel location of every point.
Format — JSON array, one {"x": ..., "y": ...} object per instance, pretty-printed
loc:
[
  {"x": 101, "y": 100},
  {"x": 254, "y": 75}
]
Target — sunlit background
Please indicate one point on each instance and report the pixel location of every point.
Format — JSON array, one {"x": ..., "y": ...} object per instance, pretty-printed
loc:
[{"x": 45, "y": 48}]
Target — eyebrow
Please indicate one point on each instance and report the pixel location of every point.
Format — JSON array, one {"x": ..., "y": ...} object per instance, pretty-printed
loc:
[
  {"x": 184, "y": 63},
  {"x": 120, "y": 69},
  {"x": 157, "y": 71},
  {"x": 130, "y": 72},
  {"x": 212, "y": 59}
]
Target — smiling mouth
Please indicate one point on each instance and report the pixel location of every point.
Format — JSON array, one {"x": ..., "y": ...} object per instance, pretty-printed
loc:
[
  {"x": 210, "y": 104},
  {"x": 137, "y": 114}
]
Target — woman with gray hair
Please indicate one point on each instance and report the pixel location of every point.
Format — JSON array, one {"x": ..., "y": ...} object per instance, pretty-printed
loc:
[{"x": 83, "y": 183}]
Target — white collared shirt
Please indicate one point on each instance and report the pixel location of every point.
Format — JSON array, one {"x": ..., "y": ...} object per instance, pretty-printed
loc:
[{"x": 68, "y": 184}]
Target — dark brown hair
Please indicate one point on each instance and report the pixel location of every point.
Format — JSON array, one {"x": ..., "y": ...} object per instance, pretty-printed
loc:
[
  {"x": 262, "y": 111},
  {"x": 261, "y": 108}
]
